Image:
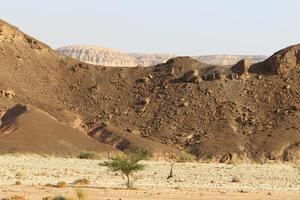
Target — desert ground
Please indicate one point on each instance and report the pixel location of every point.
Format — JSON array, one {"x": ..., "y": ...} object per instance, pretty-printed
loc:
[
  {"x": 52, "y": 104},
  {"x": 190, "y": 181}
]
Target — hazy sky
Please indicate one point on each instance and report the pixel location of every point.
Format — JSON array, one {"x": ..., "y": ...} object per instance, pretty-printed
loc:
[{"x": 186, "y": 27}]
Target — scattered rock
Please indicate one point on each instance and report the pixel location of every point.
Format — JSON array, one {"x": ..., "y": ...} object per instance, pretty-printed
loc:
[
  {"x": 18, "y": 183},
  {"x": 9, "y": 93},
  {"x": 81, "y": 182},
  {"x": 146, "y": 101},
  {"x": 134, "y": 131},
  {"x": 191, "y": 76}
]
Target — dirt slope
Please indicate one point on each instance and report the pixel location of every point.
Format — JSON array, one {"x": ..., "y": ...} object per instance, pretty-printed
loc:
[
  {"x": 31, "y": 130},
  {"x": 214, "y": 112}
]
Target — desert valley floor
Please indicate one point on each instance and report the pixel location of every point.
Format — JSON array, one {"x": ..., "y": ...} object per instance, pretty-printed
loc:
[{"x": 190, "y": 181}]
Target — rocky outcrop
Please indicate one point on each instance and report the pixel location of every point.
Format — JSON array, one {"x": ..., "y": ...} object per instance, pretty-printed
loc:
[
  {"x": 98, "y": 55},
  {"x": 284, "y": 60},
  {"x": 241, "y": 67},
  {"x": 229, "y": 59}
]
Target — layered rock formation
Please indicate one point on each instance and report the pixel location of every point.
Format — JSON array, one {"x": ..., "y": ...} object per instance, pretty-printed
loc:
[{"x": 109, "y": 57}]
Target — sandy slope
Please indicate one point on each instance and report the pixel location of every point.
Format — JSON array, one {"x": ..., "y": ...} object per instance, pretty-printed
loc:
[{"x": 191, "y": 180}]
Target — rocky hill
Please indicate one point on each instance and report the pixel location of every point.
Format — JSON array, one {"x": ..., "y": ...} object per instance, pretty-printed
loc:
[
  {"x": 228, "y": 59},
  {"x": 109, "y": 57},
  {"x": 230, "y": 113}
]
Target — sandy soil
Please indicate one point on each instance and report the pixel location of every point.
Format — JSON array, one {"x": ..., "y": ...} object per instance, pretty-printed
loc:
[{"x": 190, "y": 181}]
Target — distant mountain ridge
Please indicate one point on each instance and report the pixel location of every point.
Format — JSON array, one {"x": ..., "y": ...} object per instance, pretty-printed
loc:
[{"x": 109, "y": 57}]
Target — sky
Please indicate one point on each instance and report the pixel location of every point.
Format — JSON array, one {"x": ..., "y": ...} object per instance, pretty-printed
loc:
[{"x": 182, "y": 27}]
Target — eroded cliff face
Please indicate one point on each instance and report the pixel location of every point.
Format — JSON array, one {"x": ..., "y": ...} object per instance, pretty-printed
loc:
[
  {"x": 110, "y": 57},
  {"x": 98, "y": 55}
]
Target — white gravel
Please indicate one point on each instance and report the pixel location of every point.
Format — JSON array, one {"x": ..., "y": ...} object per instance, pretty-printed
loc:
[{"x": 35, "y": 170}]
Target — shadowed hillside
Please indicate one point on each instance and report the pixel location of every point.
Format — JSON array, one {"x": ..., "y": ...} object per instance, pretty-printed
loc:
[{"x": 244, "y": 111}]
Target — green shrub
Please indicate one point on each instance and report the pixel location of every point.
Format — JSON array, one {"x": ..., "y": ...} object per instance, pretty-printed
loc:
[
  {"x": 59, "y": 197},
  {"x": 88, "y": 155},
  {"x": 127, "y": 164}
]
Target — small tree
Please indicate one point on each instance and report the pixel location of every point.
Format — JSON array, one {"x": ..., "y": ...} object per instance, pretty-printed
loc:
[{"x": 127, "y": 164}]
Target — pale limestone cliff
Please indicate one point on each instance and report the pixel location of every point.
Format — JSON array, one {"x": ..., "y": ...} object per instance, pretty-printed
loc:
[{"x": 110, "y": 57}]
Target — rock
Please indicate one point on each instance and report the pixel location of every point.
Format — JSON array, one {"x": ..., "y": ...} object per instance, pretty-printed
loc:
[
  {"x": 185, "y": 104},
  {"x": 220, "y": 76},
  {"x": 83, "y": 66},
  {"x": 284, "y": 60},
  {"x": 81, "y": 182},
  {"x": 146, "y": 100},
  {"x": 191, "y": 76},
  {"x": 172, "y": 73},
  {"x": 8, "y": 93},
  {"x": 134, "y": 131},
  {"x": 218, "y": 73},
  {"x": 145, "y": 80},
  {"x": 236, "y": 179},
  {"x": 287, "y": 86},
  {"x": 241, "y": 67}
]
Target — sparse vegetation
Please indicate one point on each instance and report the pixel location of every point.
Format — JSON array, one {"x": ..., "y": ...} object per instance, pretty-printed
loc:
[
  {"x": 183, "y": 157},
  {"x": 80, "y": 195},
  {"x": 15, "y": 197},
  {"x": 18, "y": 183},
  {"x": 20, "y": 175},
  {"x": 127, "y": 164},
  {"x": 59, "y": 197},
  {"x": 88, "y": 155},
  {"x": 177, "y": 187},
  {"x": 61, "y": 184}
]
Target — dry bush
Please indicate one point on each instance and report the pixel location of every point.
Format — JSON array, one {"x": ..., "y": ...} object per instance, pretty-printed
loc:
[
  {"x": 15, "y": 197},
  {"x": 20, "y": 175},
  {"x": 61, "y": 184},
  {"x": 183, "y": 157},
  {"x": 89, "y": 155},
  {"x": 80, "y": 195},
  {"x": 59, "y": 197},
  {"x": 18, "y": 183}
]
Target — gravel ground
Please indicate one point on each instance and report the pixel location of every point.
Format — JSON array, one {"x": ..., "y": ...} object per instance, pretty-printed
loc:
[{"x": 251, "y": 178}]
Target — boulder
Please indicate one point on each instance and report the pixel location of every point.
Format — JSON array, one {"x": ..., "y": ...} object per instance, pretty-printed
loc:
[
  {"x": 284, "y": 60},
  {"x": 191, "y": 76},
  {"x": 241, "y": 67}
]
